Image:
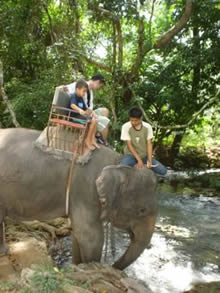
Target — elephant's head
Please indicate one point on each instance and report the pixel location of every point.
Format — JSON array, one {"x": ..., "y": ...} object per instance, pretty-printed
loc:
[{"x": 128, "y": 199}]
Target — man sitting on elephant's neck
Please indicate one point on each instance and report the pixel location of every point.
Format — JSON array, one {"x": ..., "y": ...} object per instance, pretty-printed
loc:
[{"x": 138, "y": 136}]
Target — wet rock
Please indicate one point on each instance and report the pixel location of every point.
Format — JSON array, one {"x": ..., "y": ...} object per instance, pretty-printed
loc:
[
  {"x": 174, "y": 230},
  {"x": 211, "y": 287}
]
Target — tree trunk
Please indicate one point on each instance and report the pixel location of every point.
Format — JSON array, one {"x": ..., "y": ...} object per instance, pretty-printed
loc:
[
  {"x": 175, "y": 148},
  {"x": 197, "y": 66},
  {"x": 5, "y": 98}
]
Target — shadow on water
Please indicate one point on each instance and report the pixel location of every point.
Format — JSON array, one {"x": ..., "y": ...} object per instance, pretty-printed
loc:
[{"x": 184, "y": 248}]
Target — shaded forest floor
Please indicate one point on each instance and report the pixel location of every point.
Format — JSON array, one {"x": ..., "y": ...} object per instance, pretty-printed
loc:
[{"x": 191, "y": 158}]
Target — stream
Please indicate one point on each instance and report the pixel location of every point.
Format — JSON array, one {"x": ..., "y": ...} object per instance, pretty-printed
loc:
[{"x": 185, "y": 247}]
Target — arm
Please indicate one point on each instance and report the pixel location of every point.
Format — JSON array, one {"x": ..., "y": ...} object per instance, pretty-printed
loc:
[
  {"x": 77, "y": 104},
  {"x": 140, "y": 164},
  {"x": 149, "y": 153},
  {"x": 78, "y": 109}
]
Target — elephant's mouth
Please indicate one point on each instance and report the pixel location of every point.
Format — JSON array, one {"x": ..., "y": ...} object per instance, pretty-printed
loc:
[
  {"x": 107, "y": 215},
  {"x": 115, "y": 218},
  {"x": 102, "y": 201}
]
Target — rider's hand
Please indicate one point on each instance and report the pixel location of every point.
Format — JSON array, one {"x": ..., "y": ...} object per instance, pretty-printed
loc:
[
  {"x": 139, "y": 164},
  {"x": 149, "y": 165}
]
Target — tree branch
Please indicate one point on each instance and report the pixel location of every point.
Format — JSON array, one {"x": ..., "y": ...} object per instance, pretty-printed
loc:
[
  {"x": 52, "y": 33},
  {"x": 116, "y": 21},
  {"x": 120, "y": 43},
  {"x": 194, "y": 116},
  {"x": 9, "y": 106},
  {"x": 74, "y": 7},
  {"x": 97, "y": 64},
  {"x": 139, "y": 57},
  {"x": 5, "y": 98},
  {"x": 114, "y": 47},
  {"x": 143, "y": 49},
  {"x": 150, "y": 21},
  {"x": 162, "y": 42}
]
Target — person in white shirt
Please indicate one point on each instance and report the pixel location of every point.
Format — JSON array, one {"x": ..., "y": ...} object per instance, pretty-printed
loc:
[{"x": 138, "y": 136}]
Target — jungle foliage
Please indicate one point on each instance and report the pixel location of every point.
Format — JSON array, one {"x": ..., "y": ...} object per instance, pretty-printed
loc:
[{"x": 162, "y": 55}]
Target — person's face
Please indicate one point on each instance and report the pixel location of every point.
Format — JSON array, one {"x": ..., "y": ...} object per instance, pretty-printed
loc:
[
  {"x": 81, "y": 92},
  {"x": 136, "y": 122},
  {"x": 96, "y": 85}
]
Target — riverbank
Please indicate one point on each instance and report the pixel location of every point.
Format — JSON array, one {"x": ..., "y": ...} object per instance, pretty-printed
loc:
[
  {"x": 194, "y": 183},
  {"x": 29, "y": 266}
]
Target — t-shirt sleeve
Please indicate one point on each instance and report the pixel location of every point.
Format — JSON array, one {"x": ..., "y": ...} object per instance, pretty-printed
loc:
[
  {"x": 150, "y": 132},
  {"x": 71, "y": 87},
  {"x": 73, "y": 100},
  {"x": 125, "y": 132},
  {"x": 91, "y": 100}
]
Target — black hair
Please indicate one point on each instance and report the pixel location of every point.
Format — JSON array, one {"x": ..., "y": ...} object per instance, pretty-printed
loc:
[
  {"x": 135, "y": 112},
  {"x": 99, "y": 77},
  {"x": 81, "y": 83}
]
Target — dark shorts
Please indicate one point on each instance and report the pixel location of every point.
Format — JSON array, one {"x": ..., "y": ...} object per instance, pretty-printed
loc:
[{"x": 82, "y": 119}]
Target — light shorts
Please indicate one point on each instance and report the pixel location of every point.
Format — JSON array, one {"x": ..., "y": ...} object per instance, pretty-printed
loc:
[{"x": 103, "y": 121}]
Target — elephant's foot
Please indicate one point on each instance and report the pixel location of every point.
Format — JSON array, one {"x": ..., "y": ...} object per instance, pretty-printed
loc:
[{"x": 3, "y": 249}]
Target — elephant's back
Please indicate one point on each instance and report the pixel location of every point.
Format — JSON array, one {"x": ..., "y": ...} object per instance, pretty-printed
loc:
[
  {"x": 10, "y": 137},
  {"x": 29, "y": 177},
  {"x": 18, "y": 152},
  {"x": 16, "y": 149}
]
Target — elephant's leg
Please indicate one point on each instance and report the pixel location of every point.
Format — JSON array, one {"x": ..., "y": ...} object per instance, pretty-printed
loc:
[
  {"x": 91, "y": 245},
  {"x": 87, "y": 236},
  {"x": 76, "y": 257},
  {"x": 3, "y": 247}
]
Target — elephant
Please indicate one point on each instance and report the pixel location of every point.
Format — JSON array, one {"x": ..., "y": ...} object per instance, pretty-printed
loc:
[{"x": 33, "y": 187}]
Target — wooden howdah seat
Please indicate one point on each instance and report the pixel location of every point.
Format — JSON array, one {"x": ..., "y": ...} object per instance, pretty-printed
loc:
[{"x": 65, "y": 132}]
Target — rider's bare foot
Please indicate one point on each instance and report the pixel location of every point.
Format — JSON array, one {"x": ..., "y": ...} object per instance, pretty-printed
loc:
[
  {"x": 90, "y": 146},
  {"x": 96, "y": 145}
]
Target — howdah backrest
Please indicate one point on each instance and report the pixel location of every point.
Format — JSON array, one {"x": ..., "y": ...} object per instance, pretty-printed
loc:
[
  {"x": 64, "y": 131},
  {"x": 61, "y": 99}
]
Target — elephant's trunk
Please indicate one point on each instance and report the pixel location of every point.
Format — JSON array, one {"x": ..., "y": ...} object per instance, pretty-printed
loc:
[{"x": 140, "y": 239}]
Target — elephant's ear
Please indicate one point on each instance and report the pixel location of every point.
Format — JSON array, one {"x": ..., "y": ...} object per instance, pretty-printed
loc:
[
  {"x": 125, "y": 193},
  {"x": 109, "y": 185}
]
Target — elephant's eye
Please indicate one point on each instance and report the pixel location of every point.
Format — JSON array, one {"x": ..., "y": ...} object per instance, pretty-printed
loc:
[{"x": 142, "y": 211}]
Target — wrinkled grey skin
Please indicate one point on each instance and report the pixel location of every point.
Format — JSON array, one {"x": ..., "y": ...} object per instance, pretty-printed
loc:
[{"x": 33, "y": 184}]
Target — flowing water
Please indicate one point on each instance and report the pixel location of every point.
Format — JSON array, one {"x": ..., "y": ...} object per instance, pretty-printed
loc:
[{"x": 185, "y": 247}]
